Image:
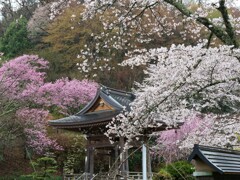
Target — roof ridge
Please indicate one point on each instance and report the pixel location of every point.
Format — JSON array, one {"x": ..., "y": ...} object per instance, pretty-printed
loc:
[
  {"x": 116, "y": 90},
  {"x": 218, "y": 149}
]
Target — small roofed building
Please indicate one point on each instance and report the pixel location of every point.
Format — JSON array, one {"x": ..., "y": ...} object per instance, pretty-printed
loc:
[
  {"x": 213, "y": 163},
  {"x": 92, "y": 120}
]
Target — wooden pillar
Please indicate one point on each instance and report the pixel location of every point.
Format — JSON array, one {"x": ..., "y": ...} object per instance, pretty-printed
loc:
[
  {"x": 87, "y": 157},
  {"x": 116, "y": 157},
  {"x": 122, "y": 157},
  {"x": 127, "y": 165},
  {"x": 91, "y": 159},
  {"x": 124, "y": 168},
  {"x": 144, "y": 161},
  {"x": 87, "y": 160},
  {"x": 111, "y": 159},
  {"x": 149, "y": 167}
]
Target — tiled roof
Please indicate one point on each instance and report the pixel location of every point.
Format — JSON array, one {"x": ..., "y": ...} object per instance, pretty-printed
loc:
[
  {"x": 115, "y": 98},
  {"x": 86, "y": 120},
  {"x": 221, "y": 160},
  {"x": 122, "y": 97}
]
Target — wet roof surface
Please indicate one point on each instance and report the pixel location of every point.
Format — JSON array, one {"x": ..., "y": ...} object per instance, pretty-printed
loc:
[
  {"x": 221, "y": 160},
  {"x": 117, "y": 99}
]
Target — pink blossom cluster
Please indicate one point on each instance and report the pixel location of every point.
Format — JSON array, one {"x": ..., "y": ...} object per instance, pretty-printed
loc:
[
  {"x": 34, "y": 123},
  {"x": 22, "y": 74},
  {"x": 40, "y": 142},
  {"x": 23, "y": 80},
  {"x": 32, "y": 117},
  {"x": 170, "y": 141},
  {"x": 65, "y": 93}
]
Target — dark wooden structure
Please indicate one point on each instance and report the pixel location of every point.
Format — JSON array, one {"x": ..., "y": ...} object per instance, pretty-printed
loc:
[
  {"x": 213, "y": 163},
  {"x": 92, "y": 121}
]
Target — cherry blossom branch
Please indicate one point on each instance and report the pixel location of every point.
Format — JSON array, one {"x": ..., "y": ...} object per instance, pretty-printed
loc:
[
  {"x": 144, "y": 9},
  {"x": 229, "y": 29},
  {"x": 221, "y": 34},
  {"x": 209, "y": 40}
]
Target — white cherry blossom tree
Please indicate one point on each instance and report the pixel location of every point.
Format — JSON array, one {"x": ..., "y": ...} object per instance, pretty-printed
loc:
[
  {"x": 186, "y": 82},
  {"x": 182, "y": 81},
  {"x": 142, "y": 25},
  {"x": 136, "y": 25}
]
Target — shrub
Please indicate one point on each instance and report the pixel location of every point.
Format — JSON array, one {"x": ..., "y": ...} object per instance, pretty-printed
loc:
[{"x": 178, "y": 170}]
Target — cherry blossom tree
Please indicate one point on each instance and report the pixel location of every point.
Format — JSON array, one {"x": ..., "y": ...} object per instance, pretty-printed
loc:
[
  {"x": 140, "y": 23},
  {"x": 31, "y": 100},
  {"x": 46, "y": 11},
  {"x": 131, "y": 13},
  {"x": 182, "y": 82},
  {"x": 186, "y": 82},
  {"x": 170, "y": 142},
  {"x": 38, "y": 22}
]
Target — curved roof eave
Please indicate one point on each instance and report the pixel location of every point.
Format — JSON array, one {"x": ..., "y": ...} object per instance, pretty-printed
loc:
[
  {"x": 106, "y": 97},
  {"x": 117, "y": 102},
  {"x": 89, "y": 105},
  {"x": 112, "y": 102},
  {"x": 85, "y": 119},
  {"x": 197, "y": 153}
]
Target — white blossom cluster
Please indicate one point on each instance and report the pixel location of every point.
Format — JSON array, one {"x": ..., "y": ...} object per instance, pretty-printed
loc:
[
  {"x": 39, "y": 21},
  {"x": 185, "y": 80},
  {"x": 137, "y": 24},
  {"x": 57, "y": 7}
]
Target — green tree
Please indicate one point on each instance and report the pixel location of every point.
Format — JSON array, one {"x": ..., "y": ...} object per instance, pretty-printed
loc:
[
  {"x": 15, "y": 39},
  {"x": 44, "y": 168}
]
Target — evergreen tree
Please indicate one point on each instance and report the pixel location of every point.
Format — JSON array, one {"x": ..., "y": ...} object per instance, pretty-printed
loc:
[{"x": 15, "y": 39}]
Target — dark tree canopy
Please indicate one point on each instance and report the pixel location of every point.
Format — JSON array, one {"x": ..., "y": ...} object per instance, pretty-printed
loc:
[{"x": 15, "y": 39}]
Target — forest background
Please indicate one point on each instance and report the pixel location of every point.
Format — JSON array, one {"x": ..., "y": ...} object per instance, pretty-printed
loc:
[{"x": 75, "y": 50}]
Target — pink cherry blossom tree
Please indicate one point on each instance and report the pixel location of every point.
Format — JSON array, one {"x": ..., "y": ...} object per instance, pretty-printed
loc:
[
  {"x": 30, "y": 98},
  {"x": 171, "y": 144}
]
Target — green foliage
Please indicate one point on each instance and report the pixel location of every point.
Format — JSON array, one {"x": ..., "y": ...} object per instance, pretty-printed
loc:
[
  {"x": 180, "y": 170},
  {"x": 57, "y": 61},
  {"x": 135, "y": 161},
  {"x": 15, "y": 40},
  {"x": 30, "y": 178},
  {"x": 72, "y": 158},
  {"x": 75, "y": 156},
  {"x": 163, "y": 174},
  {"x": 65, "y": 37},
  {"x": 44, "y": 168}
]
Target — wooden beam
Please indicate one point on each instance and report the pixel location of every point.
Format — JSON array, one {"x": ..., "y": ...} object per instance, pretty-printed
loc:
[
  {"x": 97, "y": 136},
  {"x": 102, "y": 145}
]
